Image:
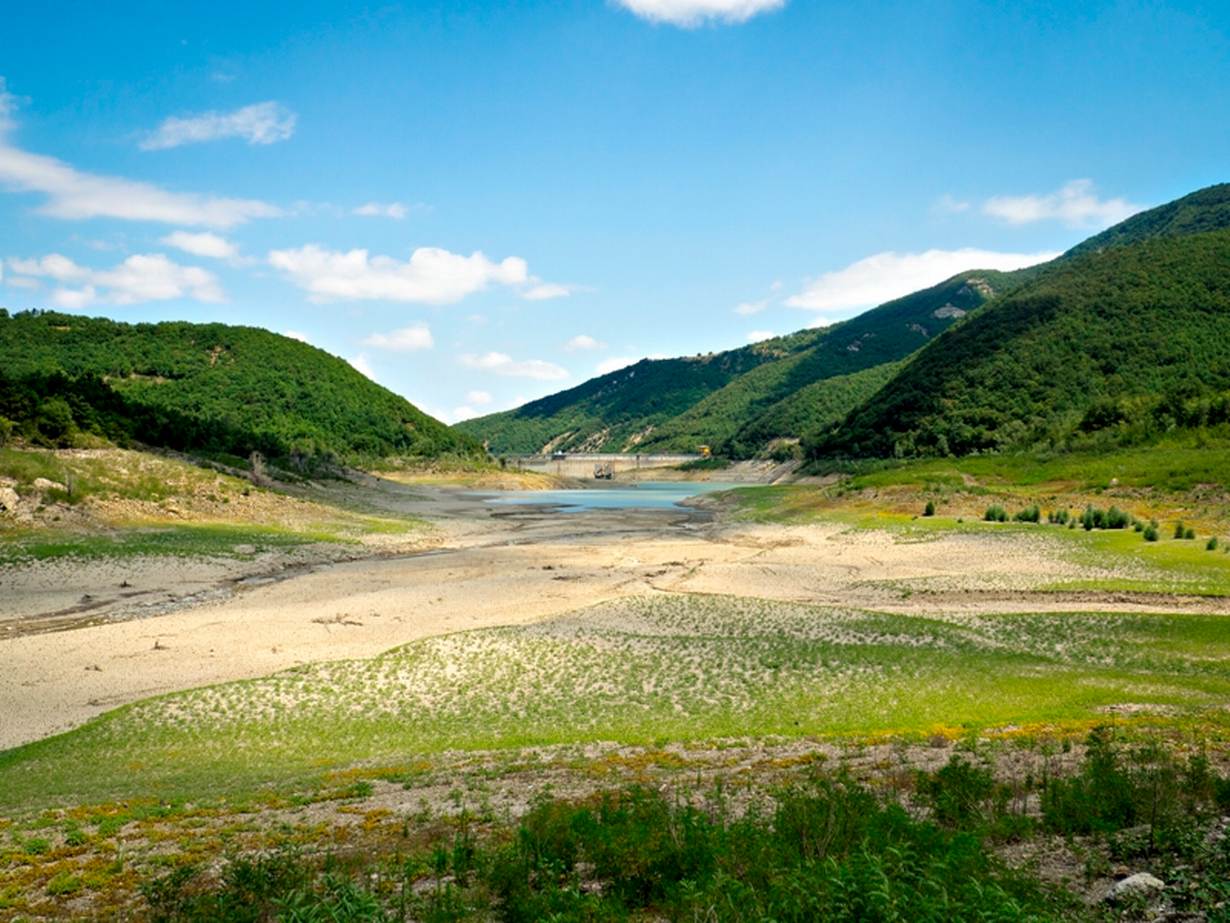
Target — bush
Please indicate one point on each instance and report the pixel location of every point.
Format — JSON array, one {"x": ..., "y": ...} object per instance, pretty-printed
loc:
[
  {"x": 1211, "y": 544},
  {"x": 1029, "y": 514},
  {"x": 995, "y": 513},
  {"x": 1150, "y": 533},
  {"x": 1058, "y": 517},
  {"x": 929, "y": 509},
  {"x": 1180, "y": 531},
  {"x": 1189, "y": 534}
]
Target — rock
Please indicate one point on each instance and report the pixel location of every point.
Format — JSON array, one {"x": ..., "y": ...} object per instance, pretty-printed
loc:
[
  {"x": 1142, "y": 883},
  {"x": 8, "y": 500},
  {"x": 244, "y": 549},
  {"x": 44, "y": 484}
]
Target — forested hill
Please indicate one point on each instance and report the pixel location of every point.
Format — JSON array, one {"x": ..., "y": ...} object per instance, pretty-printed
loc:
[
  {"x": 1206, "y": 209},
  {"x": 1129, "y": 338},
  {"x": 205, "y": 387},
  {"x": 736, "y": 401},
  {"x": 616, "y": 411}
]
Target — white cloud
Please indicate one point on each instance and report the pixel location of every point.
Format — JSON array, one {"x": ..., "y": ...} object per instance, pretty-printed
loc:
[
  {"x": 479, "y": 398},
  {"x": 614, "y": 364},
  {"x": 757, "y": 335},
  {"x": 503, "y": 364},
  {"x": 1075, "y": 204},
  {"x": 141, "y": 277},
  {"x": 464, "y": 412},
  {"x": 692, "y": 13},
  {"x": 382, "y": 210},
  {"x": 407, "y": 339},
  {"x": 295, "y": 335},
  {"x": 748, "y": 308},
  {"x": 360, "y": 364},
  {"x": 544, "y": 291},
  {"x": 21, "y": 282},
  {"x": 260, "y": 123},
  {"x": 202, "y": 244},
  {"x": 885, "y": 276},
  {"x": 75, "y": 194},
  {"x": 583, "y": 341},
  {"x": 431, "y": 275}
]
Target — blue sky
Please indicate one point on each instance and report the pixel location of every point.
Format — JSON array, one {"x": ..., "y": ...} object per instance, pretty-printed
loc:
[{"x": 480, "y": 203}]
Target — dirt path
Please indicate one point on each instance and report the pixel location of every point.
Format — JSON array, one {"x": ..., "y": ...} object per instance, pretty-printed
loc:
[{"x": 492, "y": 568}]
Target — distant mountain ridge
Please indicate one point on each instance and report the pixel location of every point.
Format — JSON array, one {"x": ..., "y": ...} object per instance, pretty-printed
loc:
[
  {"x": 980, "y": 362},
  {"x": 722, "y": 398},
  {"x": 207, "y": 387}
]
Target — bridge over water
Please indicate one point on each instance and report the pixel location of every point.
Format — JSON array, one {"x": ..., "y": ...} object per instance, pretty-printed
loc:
[{"x": 582, "y": 464}]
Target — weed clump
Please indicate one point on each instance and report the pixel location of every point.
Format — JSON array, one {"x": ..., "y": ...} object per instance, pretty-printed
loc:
[
  {"x": 995, "y": 513},
  {"x": 929, "y": 509},
  {"x": 1211, "y": 544},
  {"x": 1029, "y": 514}
]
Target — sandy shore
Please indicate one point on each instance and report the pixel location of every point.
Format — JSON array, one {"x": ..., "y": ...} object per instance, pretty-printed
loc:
[{"x": 492, "y": 567}]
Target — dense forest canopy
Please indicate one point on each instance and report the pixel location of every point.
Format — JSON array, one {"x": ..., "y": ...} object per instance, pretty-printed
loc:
[
  {"x": 205, "y": 387},
  {"x": 1128, "y": 337}
]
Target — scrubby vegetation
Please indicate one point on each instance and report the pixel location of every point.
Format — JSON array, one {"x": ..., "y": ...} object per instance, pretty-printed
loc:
[
  {"x": 827, "y": 846},
  {"x": 201, "y": 387}
]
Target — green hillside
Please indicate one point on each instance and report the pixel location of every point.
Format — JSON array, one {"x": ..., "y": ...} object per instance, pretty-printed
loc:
[
  {"x": 727, "y": 418},
  {"x": 615, "y": 411},
  {"x": 205, "y": 387},
  {"x": 1206, "y": 209},
  {"x": 678, "y": 404},
  {"x": 1130, "y": 338}
]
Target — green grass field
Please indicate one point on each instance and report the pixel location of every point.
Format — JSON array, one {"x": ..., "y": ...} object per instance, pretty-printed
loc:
[{"x": 648, "y": 669}]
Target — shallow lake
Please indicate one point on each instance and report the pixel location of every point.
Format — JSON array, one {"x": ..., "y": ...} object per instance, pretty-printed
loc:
[{"x": 646, "y": 495}]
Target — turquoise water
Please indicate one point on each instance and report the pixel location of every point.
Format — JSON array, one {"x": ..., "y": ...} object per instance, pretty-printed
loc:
[{"x": 647, "y": 495}]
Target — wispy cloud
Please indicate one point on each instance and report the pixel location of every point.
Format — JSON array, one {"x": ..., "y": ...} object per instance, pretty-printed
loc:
[
  {"x": 544, "y": 291},
  {"x": 407, "y": 339},
  {"x": 583, "y": 341},
  {"x": 503, "y": 364},
  {"x": 260, "y": 123},
  {"x": 885, "y": 276},
  {"x": 141, "y": 277},
  {"x": 360, "y": 364},
  {"x": 749, "y": 308},
  {"x": 202, "y": 244},
  {"x": 430, "y": 276},
  {"x": 692, "y": 13},
  {"x": 757, "y": 336},
  {"x": 950, "y": 205},
  {"x": 74, "y": 194},
  {"x": 395, "y": 210},
  {"x": 1076, "y": 204}
]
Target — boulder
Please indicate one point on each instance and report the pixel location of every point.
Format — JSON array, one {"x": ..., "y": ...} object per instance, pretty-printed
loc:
[
  {"x": 8, "y": 500},
  {"x": 1135, "y": 886}
]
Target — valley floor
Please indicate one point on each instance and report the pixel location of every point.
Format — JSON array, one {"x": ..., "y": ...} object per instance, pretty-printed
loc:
[
  {"x": 431, "y": 650},
  {"x": 227, "y": 620}
]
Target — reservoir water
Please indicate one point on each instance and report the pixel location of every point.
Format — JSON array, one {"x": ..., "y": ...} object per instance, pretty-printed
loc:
[{"x": 646, "y": 495}]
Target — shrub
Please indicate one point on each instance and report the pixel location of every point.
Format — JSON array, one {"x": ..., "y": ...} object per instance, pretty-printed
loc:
[
  {"x": 1150, "y": 533},
  {"x": 995, "y": 513},
  {"x": 1211, "y": 544},
  {"x": 1189, "y": 533},
  {"x": 929, "y": 509},
  {"x": 1058, "y": 517},
  {"x": 1029, "y": 514},
  {"x": 1180, "y": 531}
]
